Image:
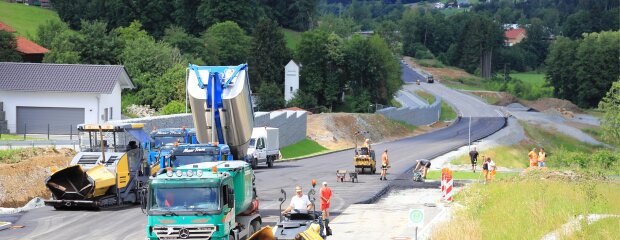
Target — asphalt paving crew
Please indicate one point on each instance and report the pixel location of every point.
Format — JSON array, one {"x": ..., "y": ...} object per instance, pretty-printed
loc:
[
  {"x": 473, "y": 157},
  {"x": 423, "y": 166},
  {"x": 326, "y": 197},
  {"x": 533, "y": 158},
  {"x": 385, "y": 164},
  {"x": 541, "y": 157},
  {"x": 299, "y": 202}
]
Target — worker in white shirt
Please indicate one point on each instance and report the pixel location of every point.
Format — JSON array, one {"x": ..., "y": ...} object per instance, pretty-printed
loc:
[{"x": 299, "y": 202}]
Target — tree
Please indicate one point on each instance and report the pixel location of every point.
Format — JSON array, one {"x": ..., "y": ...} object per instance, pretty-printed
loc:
[
  {"x": 191, "y": 47},
  {"x": 243, "y": 13},
  {"x": 322, "y": 57},
  {"x": 98, "y": 45},
  {"x": 344, "y": 27},
  {"x": 561, "y": 58},
  {"x": 597, "y": 66},
  {"x": 48, "y": 31},
  {"x": 610, "y": 104},
  {"x": 536, "y": 41},
  {"x": 270, "y": 97},
  {"x": 64, "y": 48},
  {"x": 8, "y": 45},
  {"x": 142, "y": 54},
  {"x": 229, "y": 42},
  {"x": 303, "y": 14},
  {"x": 269, "y": 54}
]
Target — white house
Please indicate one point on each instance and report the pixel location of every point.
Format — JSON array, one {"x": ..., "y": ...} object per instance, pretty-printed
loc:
[
  {"x": 34, "y": 96},
  {"x": 291, "y": 80}
]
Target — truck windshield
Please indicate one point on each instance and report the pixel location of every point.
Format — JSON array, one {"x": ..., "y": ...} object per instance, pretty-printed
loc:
[
  {"x": 181, "y": 160},
  {"x": 185, "y": 199},
  {"x": 163, "y": 140},
  {"x": 252, "y": 142}
]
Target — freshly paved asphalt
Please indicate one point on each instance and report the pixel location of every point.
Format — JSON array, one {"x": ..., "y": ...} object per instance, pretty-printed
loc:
[{"x": 46, "y": 223}]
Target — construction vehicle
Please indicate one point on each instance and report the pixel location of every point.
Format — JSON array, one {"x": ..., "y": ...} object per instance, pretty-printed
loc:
[
  {"x": 206, "y": 200},
  {"x": 221, "y": 106},
  {"x": 364, "y": 158},
  {"x": 430, "y": 78},
  {"x": 163, "y": 142},
  {"x": 298, "y": 224},
  {"x": 264, "y": 147},
  {"x": 103, "y": 175},
  {"x": 187, "y": 154}
]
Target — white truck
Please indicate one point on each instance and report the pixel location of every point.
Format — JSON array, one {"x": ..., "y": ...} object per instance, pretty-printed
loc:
[{"x": 264, "y": 146}]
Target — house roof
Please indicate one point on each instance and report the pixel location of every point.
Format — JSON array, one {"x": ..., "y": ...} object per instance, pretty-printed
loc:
[
  {"x": 514, "y": 33},
  {"x": 26, "y": 46},
  {"x": 6, "y": 28},
  {"x": 44, "y": 77}
]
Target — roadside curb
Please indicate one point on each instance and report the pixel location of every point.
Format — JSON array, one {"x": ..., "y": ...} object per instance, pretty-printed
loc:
[
  {"x": 312, "y": 155},
  {"x": 4, "y": 225}
]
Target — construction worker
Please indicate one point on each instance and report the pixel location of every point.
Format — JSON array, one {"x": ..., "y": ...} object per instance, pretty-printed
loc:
[
  {"x": 299, "y": 202},
  {"x": 423, "y": 165},
  {"x": 541, "y": 157},
  {"x": 366, "y": 143},
  {"x": 385, "y": 164},
  {"x": 473, "y": 156},
  {"x": 488, "y": 169},
  {"x": 326, "y": 196},
  {"x": 533, "y": 158}
]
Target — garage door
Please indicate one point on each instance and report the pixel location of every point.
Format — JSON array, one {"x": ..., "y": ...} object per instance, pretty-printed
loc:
[{"x": 59, "y": 120}]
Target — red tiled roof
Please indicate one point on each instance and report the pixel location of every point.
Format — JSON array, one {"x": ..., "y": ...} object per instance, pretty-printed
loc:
[
  {"x": 514, "y": 33},
  {"x": 6, "y": 28},
  {"x": 26, "y": 46}
]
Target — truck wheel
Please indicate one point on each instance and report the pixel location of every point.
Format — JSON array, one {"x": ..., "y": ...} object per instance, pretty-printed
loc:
[
  {"x": 255, "y": 226},
  {"x": 358, "y": 170},
  {"x": 269, "y": 162},
  {"x": 374, "y": 170},
  {"x": 254, "y": 163}
]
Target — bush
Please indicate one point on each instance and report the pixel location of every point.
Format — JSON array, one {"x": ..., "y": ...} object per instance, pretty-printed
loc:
[{"x": 173, "y": 107}]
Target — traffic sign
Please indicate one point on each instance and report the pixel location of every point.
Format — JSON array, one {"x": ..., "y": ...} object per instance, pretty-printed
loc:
[{"x": 416, "y": 217}]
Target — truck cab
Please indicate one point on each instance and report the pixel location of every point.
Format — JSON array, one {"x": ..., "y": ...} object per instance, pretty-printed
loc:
[
  {"x": 163, "y": 141},
  {"x": 430, "y": 79},
  {"x": 187, "y": 154},
  {"x": 207, "y": 200}
]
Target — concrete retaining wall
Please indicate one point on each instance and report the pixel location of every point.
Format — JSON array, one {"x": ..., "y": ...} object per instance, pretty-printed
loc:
[
  {"x": 415, "y": 115},
  {"x": 292, "y": 124}
]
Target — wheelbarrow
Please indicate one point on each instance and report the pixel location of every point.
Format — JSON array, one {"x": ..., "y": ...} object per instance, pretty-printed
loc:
[{"x": 341, "y": 175}]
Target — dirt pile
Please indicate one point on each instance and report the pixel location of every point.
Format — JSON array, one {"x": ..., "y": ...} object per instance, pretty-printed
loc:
[
  {"x": 545, "y": 104},
  {"x": 24, "y": 180},
  {"x": 336, "y": 130}
]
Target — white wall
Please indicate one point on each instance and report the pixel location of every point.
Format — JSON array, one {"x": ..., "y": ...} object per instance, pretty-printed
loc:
[
  {"x": 291, "y": 80},
  {"x": 112, "y": 100},
  {"x": 88, "y": 101}
]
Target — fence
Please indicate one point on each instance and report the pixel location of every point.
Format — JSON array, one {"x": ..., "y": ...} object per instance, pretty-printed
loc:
[{"x": 42, "y": 131}]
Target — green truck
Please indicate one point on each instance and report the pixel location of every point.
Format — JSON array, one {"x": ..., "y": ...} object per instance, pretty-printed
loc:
[{"x": 208, "y": 200}]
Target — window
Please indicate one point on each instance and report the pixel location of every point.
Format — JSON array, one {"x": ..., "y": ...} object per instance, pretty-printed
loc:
[
  {"x": 291, "y": 88},
  {"x": 105, "y": 114},
  {"x": 111, "y": 116}
]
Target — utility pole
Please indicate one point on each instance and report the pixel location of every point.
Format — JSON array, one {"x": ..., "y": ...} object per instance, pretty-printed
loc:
[
  {"x": 186, "y": 93},
  {"x": 469, "y": 134}
]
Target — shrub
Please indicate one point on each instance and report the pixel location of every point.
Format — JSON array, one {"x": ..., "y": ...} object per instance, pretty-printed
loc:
[{"x": 173, "y": 107}]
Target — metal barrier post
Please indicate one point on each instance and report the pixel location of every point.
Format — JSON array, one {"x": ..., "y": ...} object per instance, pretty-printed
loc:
[
  {"x": 25, "y": 130},
  {"x": 71, "y": 132},
  {"x": 48, "y": 131}
]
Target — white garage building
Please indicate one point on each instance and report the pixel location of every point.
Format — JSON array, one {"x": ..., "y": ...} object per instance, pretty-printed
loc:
[{"x": 35, "y": 96}]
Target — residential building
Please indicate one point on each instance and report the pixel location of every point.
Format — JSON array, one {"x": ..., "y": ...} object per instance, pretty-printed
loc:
[{"x": 37, "y": 97}]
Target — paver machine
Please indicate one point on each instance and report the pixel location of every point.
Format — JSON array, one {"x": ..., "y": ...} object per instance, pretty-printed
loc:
[{"x": 110, "y": 170}]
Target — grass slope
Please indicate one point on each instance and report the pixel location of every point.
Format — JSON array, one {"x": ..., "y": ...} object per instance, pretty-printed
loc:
[
  {"x": 430, "y": 99},
  {"x": 447, "y": 112},
  {"x": 533, "y": 78},
  {"x": 292, "y": 38},
  {"x": 529, "y": 207},
  {"x": 25, "y": 19},
  {"x": 302, "y": 148}
]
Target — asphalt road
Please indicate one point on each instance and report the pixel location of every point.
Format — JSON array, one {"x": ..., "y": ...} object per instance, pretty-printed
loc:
[{"x": 46, "y": 223}]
